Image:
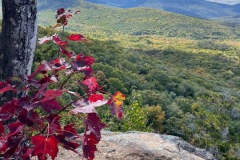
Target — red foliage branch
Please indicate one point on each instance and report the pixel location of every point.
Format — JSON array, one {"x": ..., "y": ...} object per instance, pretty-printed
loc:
[{"x": 26, "y": 132}]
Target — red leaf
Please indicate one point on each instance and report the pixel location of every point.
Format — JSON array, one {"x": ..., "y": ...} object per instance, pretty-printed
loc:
[
  {"x": 51, "y": 94},
  {"x": 26, "y": 152},
  {"x": 3, "y": 144},
  {"x": 23, "y": 118},
  {"x": 45, "y": 39},
  {"x": 43, "y": 68},
  {"x": 62, "y": 20},
  {"x": 83, "y": 63},
  {"x": 10, "y": 152},
  {"x": 91, "y": 83},
  {"x": 116, "y": 103},
  {"x": 9, "y": 146},
  {"x": 48, "y": 79},
  {"x": 68, "y": 137},
  {"x": 25, "y": 103},
  {"x": 44, "y": 80},
  {"x": 62, "y": 16},
  {"x": 83, "y": 60},
  {"x": 30, "y": 118},
  {"x": 1, "y": 129},
  {"x": 85, "y": 106},
  {"x": 53, "y": 38},
  {"x": 95, "y": 97},
  {"x": 54, "y": 125},
  {"x": 51, "y": 105},
  {"x": 87, "y": 71},
  {"x": 67, "y": 144},
  {"x": 45, "y": 145},
  {"x": 15, "y": 128},
  {"x": 60, "y": 64},
  {"x": 34, "y": 83},
  {"x": 69, "y": 131},
  {"x": 95, "y": 125},
  {"x": 41, "y": 90},
  {"x": 65, "y": 52},
  {"x": 60, "y": 11},
  {"x": 89, "y": 146},
  {"x": 58, "y": 41},
  {"x": 5, "y": 87},
  {"x": 76, "y": 37},
  {"x": 7, "y": 111}
]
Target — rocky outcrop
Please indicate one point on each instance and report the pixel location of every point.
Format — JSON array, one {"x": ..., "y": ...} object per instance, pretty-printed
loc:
[{"x": 145, "y": 146}]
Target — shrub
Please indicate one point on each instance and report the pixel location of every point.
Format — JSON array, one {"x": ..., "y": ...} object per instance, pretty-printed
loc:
[{"x": 155, "y": 117}]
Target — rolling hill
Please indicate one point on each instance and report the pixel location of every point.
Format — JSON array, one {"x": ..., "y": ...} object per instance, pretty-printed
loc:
[{"x": 107, "y": 21}]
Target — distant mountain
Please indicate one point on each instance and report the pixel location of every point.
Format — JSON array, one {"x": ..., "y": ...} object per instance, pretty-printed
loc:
[
  {"x": 55, "y": 4},
  {"x": 140, "y": 21},
  {"x": 195, "y": 8},
  {"x": 229, "y": 20}
]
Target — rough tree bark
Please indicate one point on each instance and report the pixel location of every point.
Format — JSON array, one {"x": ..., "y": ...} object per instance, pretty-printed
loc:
[{"x": 18, "y": 37}]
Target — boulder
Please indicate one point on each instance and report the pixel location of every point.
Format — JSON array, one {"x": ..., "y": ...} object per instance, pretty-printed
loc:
[{"x": 134, "y": 145}]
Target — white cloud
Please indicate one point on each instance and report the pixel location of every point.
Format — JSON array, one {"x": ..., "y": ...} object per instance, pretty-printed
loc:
[{"x": 226, "y": 1}]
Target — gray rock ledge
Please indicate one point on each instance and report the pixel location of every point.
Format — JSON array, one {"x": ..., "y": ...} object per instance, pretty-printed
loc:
[{"x": 135, "y": 145}]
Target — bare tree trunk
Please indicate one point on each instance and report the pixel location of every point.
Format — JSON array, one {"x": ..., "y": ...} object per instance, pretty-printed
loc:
[
  {"x": 18, "y": 38},
  {"x": 17, "y": 41}
]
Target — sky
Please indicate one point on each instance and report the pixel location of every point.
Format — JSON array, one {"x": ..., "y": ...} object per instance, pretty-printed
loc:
[{"x": 226, "y": 1}]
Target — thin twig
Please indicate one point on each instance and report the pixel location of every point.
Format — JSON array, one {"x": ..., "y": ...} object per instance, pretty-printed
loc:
[{"x": 66, "y": 80}]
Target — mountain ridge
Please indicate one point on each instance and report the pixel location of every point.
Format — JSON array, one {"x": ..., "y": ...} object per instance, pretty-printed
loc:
[
  {"x": 142, "y": 21},
  {"x": 195, "y": 8},
  {"x": 139, "y": 21}
]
